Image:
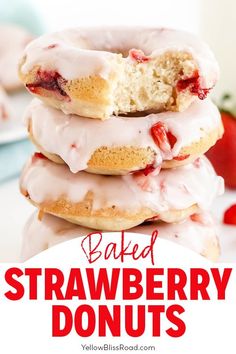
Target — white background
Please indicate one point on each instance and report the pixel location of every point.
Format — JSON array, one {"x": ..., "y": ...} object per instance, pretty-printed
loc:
[{"x": 66, "y": 13}]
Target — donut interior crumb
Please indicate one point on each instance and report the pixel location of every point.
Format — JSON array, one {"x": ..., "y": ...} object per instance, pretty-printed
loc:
[{"x": 152, "y": 85}]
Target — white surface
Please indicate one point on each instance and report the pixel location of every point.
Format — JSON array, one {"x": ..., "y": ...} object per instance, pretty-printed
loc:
[
  {"x": 13, "y": 129},
  {"x": 16, "y": 210}
]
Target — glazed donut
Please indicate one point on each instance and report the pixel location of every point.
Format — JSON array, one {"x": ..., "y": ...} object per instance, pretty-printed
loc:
[
  {"x": 119, "y": 202},
  {"x": 13, "y": 40},
  {"x": 39, "y": 235},
  {"x": 121, "y": 145},
  {"x": 5, "y": 106},
  {"x": 100, "y": 71}
]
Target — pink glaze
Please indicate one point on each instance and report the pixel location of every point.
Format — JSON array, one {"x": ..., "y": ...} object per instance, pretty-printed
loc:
[
  {"x": 41, "y": 235},
  {"x": 75, "y": 138},
  {"x": 177, "y": 188},
  {"x": 81, "y": 52}
]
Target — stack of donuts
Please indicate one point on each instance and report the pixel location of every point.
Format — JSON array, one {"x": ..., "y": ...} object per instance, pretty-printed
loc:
[{"x": 121, "y": 120}]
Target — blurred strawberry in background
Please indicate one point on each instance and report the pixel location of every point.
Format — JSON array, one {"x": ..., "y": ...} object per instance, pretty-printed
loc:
[{"x": 223, "y": 154}]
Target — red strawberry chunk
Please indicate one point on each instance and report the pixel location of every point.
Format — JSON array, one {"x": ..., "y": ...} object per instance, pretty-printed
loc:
[
  {"x": 230, "y": 215},
  {"x": 148, "y": 169},
  {"x": 181, "y": 157},
  {"x": 38, "y": 155},
  {"x": 162, "y": 137},
  {"x": 139, "y": 56},
  {"x": 172, "y": 139},
  {"x": 48, "y": 80},
  {"x": 193, "y": 84}
]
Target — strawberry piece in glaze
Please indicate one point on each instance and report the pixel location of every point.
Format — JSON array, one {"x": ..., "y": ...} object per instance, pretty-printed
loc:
[
  {"x": 160, "y": 136},
  {"x": 148, "y": 169},
  {"x": 193, "y": 84},
  {"x": 171, "y": 138},
  {"x": 139, "y": 56},
  {"x": 230, "y": 215},
  {"x": 165, "y": 140},
  {"x": 181, "y": 157},
  {"x": 37, "y": 156},
  {"x": 50, "y": 81}
]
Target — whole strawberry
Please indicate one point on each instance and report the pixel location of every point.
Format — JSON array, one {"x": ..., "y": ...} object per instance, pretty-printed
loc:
[{"x": 223, "y": 154}]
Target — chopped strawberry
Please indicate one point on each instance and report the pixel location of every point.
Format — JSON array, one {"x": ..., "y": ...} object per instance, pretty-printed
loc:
[
  {"x": 230, "y": 215},
  {"x": 148, "y": 169},
  {"x": 48, "y": 80},
  {"x": 172, "y": 139},
  {"x": 181, "y": 157},
  {"x": 193, "y": 84},
  {"x": 162, "y": 137},
  {"x": 38, "y": 155},
  {"x": 139, "y": 56}
]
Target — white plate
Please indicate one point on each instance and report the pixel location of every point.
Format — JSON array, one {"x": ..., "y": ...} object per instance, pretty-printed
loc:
[{"x": 13, "y": 129}]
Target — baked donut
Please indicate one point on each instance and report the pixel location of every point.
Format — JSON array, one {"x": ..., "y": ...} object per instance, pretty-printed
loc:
[
  {"x": 100, "y": 71},
  {"x": 197, "y": 233},
  {"x": 119, "y": 202},
  {"x": 5, "y": 106},
  {"x": 13, "y": 40},
  {"x": 121, "y": 145}
]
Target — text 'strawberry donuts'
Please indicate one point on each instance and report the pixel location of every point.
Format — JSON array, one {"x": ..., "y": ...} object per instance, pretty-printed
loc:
[
  {"x": 100, "y": 71},
  {"x": 13, "y": 40},
  {"x": 121, "y": 145},
  {"x": 201, "y": 237},
  {"x": 119, "y": 202}
]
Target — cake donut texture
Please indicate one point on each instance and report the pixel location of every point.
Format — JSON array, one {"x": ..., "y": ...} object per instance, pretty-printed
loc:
[
  {"x": 100, "y": 71},
  {"x": 119, "y": 202},
  {"x": 197, "y": 233},
  {"x": 13, "y": 40},
  {"x": 121, "y": 145}
]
